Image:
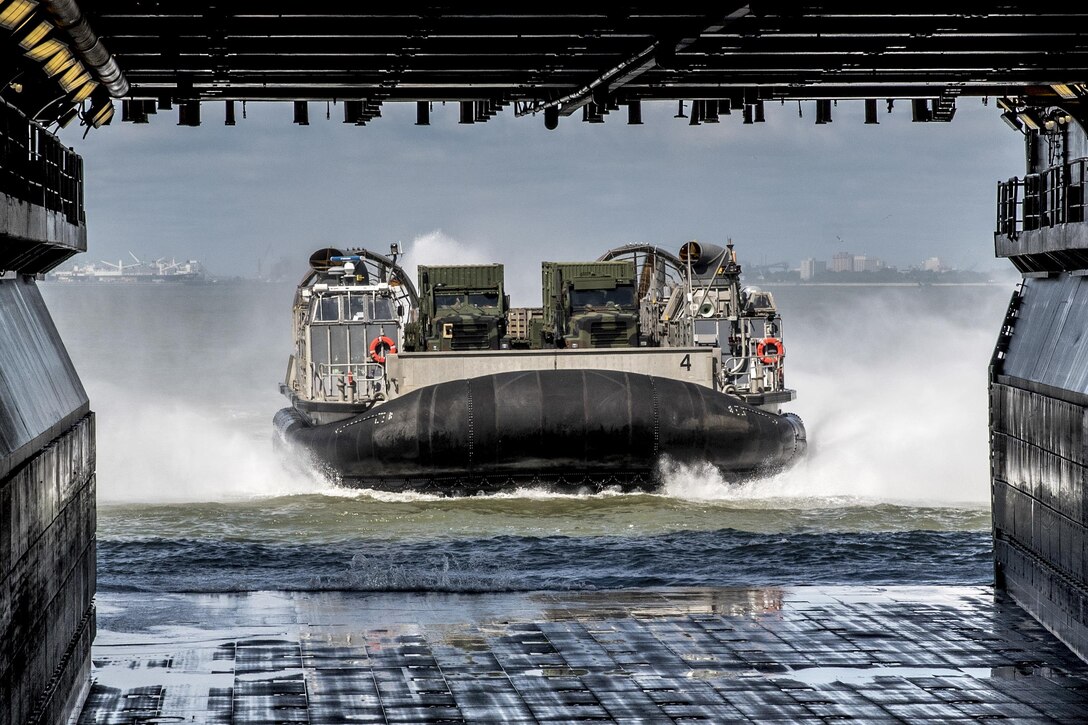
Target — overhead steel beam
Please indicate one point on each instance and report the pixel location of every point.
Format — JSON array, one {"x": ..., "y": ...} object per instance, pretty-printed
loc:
[
  {"x": 627, "y": 71},
  {"x": 539, "y": 58}
]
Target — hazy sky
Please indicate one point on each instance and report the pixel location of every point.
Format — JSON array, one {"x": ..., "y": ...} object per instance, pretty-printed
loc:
[{"x": 511, "y": 191}]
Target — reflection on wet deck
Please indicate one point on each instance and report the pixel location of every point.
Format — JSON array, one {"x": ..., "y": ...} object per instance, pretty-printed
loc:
[{"x": 944, "y": 654}]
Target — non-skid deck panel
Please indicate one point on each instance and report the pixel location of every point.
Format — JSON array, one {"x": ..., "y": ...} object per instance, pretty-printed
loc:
[{"x": 899, "y": 654}]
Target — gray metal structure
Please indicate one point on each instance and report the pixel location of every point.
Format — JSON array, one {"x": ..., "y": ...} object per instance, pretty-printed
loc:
[
  {"x": 346, "y": 302},
  {"x": 531, "y": 59}
]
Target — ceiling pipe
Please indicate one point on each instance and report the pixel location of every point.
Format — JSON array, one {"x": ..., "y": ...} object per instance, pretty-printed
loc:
[{"x": 89, "y": 46}]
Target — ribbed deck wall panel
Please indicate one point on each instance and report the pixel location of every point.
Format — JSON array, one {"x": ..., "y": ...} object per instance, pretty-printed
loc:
[
  {"x": 47, "y": 516},
  {"x": 1039, "y": 457}
]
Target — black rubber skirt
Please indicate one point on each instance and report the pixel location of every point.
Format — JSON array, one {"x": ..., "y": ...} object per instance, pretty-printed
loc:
[{"x": 570, "y": 428}]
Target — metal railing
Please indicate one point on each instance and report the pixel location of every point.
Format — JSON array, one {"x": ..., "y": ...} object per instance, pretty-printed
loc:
[
  {"x": 37, "y": 168},
  {"x": 1055, "y": 196},
  {"x": 347, "y": 382}
]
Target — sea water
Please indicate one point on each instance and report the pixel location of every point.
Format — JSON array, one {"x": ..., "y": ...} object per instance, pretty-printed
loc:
[{"x": 891, "y": 383}]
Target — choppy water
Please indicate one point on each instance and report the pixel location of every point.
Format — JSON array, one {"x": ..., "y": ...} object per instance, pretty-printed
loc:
[{"x": 190, "y": 498}]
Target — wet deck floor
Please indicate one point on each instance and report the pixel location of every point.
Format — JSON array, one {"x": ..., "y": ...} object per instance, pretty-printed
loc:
[{"x": 898, "y": 654}]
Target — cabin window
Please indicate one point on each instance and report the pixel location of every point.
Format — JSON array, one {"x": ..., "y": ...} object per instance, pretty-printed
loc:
[
  {"x": 367, "y": 307},
  {"x": 338, "y": 345},
  {"x": 319, "y": 346},
  {"x": 382, "y": 309},
  {"x": 327, "y": 309},
  {"x": 458, "y": 300},
  {"x": 359, "y": 337},
  {"x": 621, "y": 296},
  {"x": 357, "y": 307}
]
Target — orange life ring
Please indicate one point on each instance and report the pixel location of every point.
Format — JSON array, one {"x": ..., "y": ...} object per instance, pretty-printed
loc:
[
  {"x": 379, "y": 342},
  {"x": 772, "y": 356}
]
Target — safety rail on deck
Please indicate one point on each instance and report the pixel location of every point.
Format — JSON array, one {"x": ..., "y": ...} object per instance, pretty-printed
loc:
[
  {"x": 36, "y": 167},
  {"x": 1055, "y": 196},
  {"x": 331, "y": 380}
]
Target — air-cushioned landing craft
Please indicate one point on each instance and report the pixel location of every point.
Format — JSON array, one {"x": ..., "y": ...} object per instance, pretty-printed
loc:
[{"x": 639, "y": 356}]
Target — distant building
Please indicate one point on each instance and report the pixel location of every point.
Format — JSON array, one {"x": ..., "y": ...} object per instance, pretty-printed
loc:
[
  {"x": 933, "y": 264},
  {"x": 842, "y": 262},
  {"x": 863, "y": 263},
  {"x": 812, "y": 267}
]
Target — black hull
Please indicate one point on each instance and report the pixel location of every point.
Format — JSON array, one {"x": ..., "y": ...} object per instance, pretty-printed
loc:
[{"x": 569, "y": 429}]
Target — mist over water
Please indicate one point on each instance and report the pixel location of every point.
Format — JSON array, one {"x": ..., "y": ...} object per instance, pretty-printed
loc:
[
  {"x": 891, "y": 384},
  {"x": 892, "y": 388}
]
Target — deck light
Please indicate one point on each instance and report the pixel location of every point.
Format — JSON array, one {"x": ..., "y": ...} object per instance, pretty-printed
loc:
[
  {"x": 74, "y": 77},
  {"x": 870, "y": 111},
  {"x": 353, "y": 110},
  {"x": 696, "y": 113},
  {"x": 59, "y": 62},
  {"x": 15, "y": 12},
  {"x": 1010, "y": 118},
  {"x": 468, "y": 112},
  {"x": 1029, "y": 119},
  {"x": 103, "y": 115},
  {"x": 36, "y": 35},
  {"x": 84, "y": 92},
  {"x": 43, "y": 51},
  {"x": 423, "y": 113},
  {"x": 189, "y": 113},
  {"x": 634, "y": 113},
  {"x": 1064, "y": 91},
  {"x": 138, "y": 112},
  {"x": 302, "y": 113},
  {"x": 551, "y": 118}
]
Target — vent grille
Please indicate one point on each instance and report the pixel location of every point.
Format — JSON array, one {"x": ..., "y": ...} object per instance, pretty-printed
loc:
[
  {"x": 470, "y": 336},
  {"x": 609, "y": 333}
]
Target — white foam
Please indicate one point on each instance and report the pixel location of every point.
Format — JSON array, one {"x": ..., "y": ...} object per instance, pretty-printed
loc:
[
  {"x": 163, "y": 449},
  {"x": 894, "y": 402}
]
